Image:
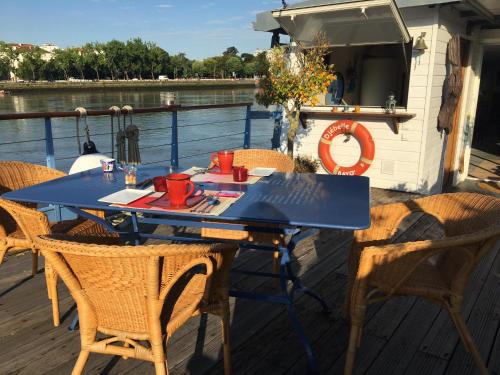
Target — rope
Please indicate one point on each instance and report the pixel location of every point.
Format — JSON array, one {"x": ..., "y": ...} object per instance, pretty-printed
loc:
[{"x": 132, "y": 135}]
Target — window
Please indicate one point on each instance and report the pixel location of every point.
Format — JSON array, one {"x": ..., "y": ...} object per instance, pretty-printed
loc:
[
  {"x": 370, "y": 73},
  {"x": 371, "y": 47}
]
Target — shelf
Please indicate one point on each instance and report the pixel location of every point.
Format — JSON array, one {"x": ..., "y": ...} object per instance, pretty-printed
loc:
[{"x": 395, "y": 118}]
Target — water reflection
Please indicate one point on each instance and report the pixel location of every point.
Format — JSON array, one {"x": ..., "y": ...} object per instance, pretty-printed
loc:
[{"x": 223, "y": 125}]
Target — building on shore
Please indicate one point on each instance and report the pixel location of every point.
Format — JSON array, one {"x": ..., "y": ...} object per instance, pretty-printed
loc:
[
  {"x": 430, "y": 54},
  {"x": 46, "y": 53}
]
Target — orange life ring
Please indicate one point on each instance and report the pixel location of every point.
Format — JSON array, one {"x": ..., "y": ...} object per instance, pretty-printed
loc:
[{"x": 361, "y": 134}]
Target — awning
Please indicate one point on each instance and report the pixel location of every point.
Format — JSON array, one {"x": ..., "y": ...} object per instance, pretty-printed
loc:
[{"x": 346, "y": 24}]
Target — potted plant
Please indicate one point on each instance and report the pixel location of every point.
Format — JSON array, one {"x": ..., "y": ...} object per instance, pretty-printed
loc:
[{"x": 295, "y": 77}]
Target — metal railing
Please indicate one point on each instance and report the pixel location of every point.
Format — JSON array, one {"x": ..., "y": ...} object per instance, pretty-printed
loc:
[{"x": 174, "y": 141}]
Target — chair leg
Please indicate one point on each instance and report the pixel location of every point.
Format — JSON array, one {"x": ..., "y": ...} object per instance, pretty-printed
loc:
[
  {"x": 161, "y": 368},
  {"x": 226, "y": 337},
  {"x": 34, "y": 262},
  {"x": 80, "y": 362},
  {"x": 351, "y": 349},
  {"x": 467, "y": 339},
  {"x": 51, "y": 280},
  {"x": 3, "y": 251},
  {"x": 357, "y": 321}
]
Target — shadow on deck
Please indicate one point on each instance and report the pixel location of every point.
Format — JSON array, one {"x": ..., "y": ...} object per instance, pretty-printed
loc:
[{"x": 402, "y": 336}]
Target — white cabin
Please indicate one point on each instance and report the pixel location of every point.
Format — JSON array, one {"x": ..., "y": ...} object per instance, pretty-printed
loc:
[{"x": 375, "y": 49}]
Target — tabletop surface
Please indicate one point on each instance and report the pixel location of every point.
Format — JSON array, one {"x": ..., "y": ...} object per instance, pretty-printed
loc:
[{"x": 306, "y": 200}]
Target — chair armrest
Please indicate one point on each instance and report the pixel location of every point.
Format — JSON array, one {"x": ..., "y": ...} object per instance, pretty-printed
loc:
[
  {"x": 385, "y": 220},
  {"x": 435, "y": 245},
  {"x": 395, "y": 263},
  {"x": 32, "y": 222}
]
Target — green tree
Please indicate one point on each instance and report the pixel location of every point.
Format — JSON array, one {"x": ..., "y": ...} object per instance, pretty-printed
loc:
[
  {"x": 137, "y": 52},
  {"x": 233, "y": 66},
  {"x": 180, "y": 65},
  {"x": 261, "y": 64},
  {"x": 78, "y": 60},
  {"x": 63, "y": 60},
  {"x": 295, "y": 77},
  {"x": 4, "y": 62},
  {"x": 156, "y": 59},
  {"x": 199, "y": 68},
  {"x": 114, "y": 55},
  {"x": 4, "y": 68},
  {"x": 210, "y": 66},
  {"x": 230, "y": 51},
  {"x": 50, "y": 71},
  {"x": 11, "y": 55},
  {"x": 93, "y": 55},
  {"x": 250, "y": 68},
  {"x": 31, "y": 63},
  {"x": 220, "y": 66},
  {"x": 247, "y": 57}
]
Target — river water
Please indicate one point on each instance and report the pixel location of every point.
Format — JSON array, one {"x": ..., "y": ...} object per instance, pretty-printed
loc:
[{"x": 223, "y": 126}]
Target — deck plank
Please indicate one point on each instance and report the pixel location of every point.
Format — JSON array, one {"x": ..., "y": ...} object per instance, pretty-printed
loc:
[{"x": 483, "y": 324}]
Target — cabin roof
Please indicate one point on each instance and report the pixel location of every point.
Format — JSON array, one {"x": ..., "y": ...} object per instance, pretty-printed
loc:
[{"x": 479, "y": 9}]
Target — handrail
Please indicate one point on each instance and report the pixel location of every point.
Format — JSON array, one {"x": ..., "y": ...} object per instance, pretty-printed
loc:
[
  {"x": 174, "y": 109},
  {"x": 107, "y": 112}
]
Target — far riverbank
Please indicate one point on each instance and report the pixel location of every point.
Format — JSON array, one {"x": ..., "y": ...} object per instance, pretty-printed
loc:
[{"x": 179, "y": 84}]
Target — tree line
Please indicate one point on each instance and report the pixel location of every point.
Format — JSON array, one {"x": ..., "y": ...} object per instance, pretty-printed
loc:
[{"x": 134, "y": 59}]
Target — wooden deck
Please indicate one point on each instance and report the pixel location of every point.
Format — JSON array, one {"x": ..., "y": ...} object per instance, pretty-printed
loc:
[
  {"x": 484, "y": 165},
  {"x": 402, "y": 336}
]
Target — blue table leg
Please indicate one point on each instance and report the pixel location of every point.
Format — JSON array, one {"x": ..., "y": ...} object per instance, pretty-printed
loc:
[
  {"x": 74, "y": 323},
  {"x": 135, "y": 226},
  {"x": 286, "y": 274},
  {"x": 297, "y": 285}
]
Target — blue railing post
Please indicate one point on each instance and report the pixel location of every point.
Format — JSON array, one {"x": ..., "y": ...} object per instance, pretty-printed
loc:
[
  {"x": 49, "y": 144},
  {"x": 248, "y": 127},
  {"x": 174, "y": 149}
]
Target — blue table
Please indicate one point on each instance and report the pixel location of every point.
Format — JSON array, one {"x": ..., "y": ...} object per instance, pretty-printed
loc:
[{"x": 296, "y": 203}]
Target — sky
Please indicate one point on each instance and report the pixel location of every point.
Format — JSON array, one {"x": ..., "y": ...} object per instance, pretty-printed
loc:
[{"x": 199, "y": 28}]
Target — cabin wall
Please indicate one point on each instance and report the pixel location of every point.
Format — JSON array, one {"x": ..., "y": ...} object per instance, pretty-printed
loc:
[
  {"x": 448, "y": 24},
  {"x": 399, "y": 158},
  {"x": 422, "y": 93},
  {"x": 413, "y": 159}
]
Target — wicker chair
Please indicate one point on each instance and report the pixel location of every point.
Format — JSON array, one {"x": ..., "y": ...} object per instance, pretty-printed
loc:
[
  {"x": 253, "y": 158},
  {"x": 141, "y": 293},
  {"x": 17, "y": 175},
  {"x": 436, "y": 270},
  {"x": 21, "y": 223}
]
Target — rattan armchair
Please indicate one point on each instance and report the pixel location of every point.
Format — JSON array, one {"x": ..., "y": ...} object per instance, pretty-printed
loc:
[
  {"x": 253, "y": 158},
  {"x": 436, "y": 270},
  {"x": 21, "y": 223},
  {"x": 17, "y": 175},
  {"x": 141, "y": 293}
]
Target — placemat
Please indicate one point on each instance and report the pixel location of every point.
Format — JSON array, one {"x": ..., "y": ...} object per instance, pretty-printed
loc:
[
  {"x": 201, "y": 175},
  {"x": 223, "y": 179},
  {"x": 146, "y": 204}
]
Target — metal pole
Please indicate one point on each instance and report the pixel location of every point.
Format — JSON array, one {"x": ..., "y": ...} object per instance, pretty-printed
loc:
[
  {"x": 174, "y": 149},
  {"x": 49, "y": 144},
  {"x": 248, "y": 127}
]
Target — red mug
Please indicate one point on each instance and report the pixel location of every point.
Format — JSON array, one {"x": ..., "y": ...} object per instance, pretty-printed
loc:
[
  {"x": 179, "y": 188},
  {"x": 223, "y": 159},
  {"x": 160, "y": 183},
  {"x": 240, "y": 174}
]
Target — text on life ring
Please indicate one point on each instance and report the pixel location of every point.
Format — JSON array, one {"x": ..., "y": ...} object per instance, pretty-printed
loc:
[{"x": 364, "y": 138}]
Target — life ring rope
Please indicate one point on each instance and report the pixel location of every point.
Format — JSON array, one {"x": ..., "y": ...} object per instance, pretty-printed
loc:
[{"x": 361, "y": 134}]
